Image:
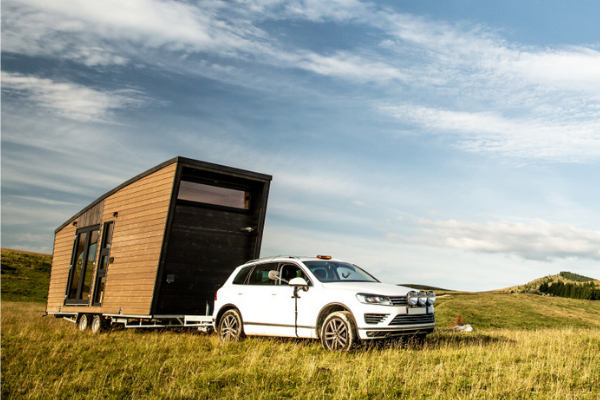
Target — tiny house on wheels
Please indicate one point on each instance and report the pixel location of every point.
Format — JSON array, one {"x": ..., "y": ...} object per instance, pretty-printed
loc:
[{"x": 153, "y": 251}]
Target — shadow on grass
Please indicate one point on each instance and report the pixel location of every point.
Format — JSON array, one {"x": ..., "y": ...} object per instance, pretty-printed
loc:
[{"x": 435, "y": 342}]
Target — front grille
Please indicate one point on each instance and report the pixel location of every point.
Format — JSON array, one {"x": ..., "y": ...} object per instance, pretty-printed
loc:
[
  {"x": 375, "y": 318},
  {"x": 403, "y": 319},
  {"x": 399, "y": 300}
]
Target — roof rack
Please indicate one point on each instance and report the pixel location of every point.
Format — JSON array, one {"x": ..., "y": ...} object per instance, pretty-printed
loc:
[{"x": 271, "y": 258}]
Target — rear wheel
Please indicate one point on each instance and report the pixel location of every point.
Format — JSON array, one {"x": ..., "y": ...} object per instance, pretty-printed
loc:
[
  {"x": 83, "y": 322},
  {"x": 230, "y": 326},
  {"x": 338, "y": 332},
  {"x": 98, "y": 324}
]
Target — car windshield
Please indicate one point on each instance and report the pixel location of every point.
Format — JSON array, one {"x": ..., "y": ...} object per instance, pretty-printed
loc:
[{"x": 334, "y": 271}]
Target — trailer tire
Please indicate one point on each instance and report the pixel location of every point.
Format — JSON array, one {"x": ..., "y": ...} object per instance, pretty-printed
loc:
[
  {"x": 83, "y": 322},
  {"x": 98, "y": 324},
  {"x": 231, "y": 328}
]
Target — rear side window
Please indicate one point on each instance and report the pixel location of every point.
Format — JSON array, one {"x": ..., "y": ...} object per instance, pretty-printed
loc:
[{"x": 241, "y": 276}]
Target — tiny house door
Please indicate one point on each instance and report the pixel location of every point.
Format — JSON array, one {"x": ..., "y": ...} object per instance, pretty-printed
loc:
[{"x": 83, "y": 261}]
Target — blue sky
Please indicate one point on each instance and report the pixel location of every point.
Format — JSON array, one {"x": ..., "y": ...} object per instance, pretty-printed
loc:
[{"x": 452, "y": 143}]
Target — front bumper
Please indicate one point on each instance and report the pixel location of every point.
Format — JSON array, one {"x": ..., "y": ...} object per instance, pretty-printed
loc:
[{"x": 383, "y": 322}]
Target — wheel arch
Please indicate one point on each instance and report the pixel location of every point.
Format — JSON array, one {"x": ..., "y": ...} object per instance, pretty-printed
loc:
[
  {"x": 223, "y": 310},
  {"x": 331, "y": 308}
]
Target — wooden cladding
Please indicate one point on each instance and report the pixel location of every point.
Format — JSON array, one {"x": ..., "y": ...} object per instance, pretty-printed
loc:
[
  {"x": 141, "y": 210},
  {"x": 93, "y": 216},
  {"x": 196, "y": 241}
]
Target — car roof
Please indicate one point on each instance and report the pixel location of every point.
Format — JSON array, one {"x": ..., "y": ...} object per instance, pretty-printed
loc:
[{"x": 287, "y": 258}]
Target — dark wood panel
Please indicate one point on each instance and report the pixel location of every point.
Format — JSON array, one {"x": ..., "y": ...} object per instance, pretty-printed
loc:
[{"x": 93, "y": 216}]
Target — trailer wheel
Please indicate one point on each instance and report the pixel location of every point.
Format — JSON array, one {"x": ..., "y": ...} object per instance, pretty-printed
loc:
[
  {"x": 230, "y": 326},
  {"x": 338, "y": 332},
  {"x": 83, "y": 322},
  {"x": 98, "y": 324}
]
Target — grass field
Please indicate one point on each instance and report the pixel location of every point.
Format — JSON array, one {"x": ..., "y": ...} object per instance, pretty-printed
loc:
[
  {"x": 49, "y": 358},
  {"x": 524, "y": 347},
  {"x": 25, "y": 276}
]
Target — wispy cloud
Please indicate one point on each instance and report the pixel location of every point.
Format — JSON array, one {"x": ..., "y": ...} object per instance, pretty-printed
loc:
[
  {"x": 539, "y": 240},
  {"x": 67, "y": 99},
  {"x": 567, "y": 139}
]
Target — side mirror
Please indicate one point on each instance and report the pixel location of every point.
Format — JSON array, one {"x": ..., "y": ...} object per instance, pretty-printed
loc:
[
  {"x": 299, "y": 283},
  {"x": 274, "y": 275}
]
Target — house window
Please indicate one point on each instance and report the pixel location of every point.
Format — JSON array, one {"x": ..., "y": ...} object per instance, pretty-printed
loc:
[
  {"x": 215, "y": 195},
  {"x": 99, "y": 286},
  {"x": 82, "y": 265}
]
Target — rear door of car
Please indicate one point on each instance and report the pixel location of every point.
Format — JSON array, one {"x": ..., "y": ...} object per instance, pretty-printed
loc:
[{"x": 254, "y": 300}]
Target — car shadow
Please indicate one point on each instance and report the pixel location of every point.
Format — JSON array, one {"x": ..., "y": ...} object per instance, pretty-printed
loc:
[{"x": 435, "y": 342}]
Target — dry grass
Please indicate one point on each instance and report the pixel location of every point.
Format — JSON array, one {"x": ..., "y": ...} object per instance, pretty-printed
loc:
[{"x": 48, "y": 358}]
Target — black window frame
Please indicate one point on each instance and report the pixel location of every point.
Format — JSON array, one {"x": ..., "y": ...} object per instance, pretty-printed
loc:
[
  {"x": 104, "y": 253},
  {"x": 78, "y": 301}
]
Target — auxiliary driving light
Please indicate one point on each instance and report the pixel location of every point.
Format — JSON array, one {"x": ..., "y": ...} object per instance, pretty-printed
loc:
[
  {"x": 430, "y": 298},
  {"x": 422, "y": 298},
  {"x": 412, "y": 297}
]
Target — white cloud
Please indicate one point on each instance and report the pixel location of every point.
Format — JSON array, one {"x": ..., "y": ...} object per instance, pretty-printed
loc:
[
  {"x": 570, "y": 140},
  {"x": 67, "y": 99},
  {"x": 539, "y": 240}
]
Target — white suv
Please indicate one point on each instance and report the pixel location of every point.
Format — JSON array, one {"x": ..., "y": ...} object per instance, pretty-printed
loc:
[{"x": 331, "y": 300}]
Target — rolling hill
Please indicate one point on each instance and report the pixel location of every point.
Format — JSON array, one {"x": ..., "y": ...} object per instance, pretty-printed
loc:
[
  {"x": 564, "y": 284},
  {"x": 25, "y": 275}
]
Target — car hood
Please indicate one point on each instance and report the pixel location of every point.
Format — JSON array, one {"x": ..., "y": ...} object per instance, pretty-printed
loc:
[{"x": 369, "y": 287}]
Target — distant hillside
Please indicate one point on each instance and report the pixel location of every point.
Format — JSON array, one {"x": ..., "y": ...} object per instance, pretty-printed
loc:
[
  {"x": 424, "y": 287},
  {"x": 565, "y": 284},
  {"x": 575, "y": 277},
  {"x": 516, "y": 311},
  {"x": 25, "y": 275}
]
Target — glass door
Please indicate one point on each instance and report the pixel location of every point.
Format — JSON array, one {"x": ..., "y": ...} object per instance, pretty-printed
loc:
[
  {"x": 82, "y": 265},
  {"x": 99, "y": 286}
]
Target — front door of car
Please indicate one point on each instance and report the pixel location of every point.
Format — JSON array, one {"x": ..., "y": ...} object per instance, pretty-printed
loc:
[{"x": 284, "y": 305}]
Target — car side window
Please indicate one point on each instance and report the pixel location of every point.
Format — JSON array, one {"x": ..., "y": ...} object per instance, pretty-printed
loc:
[
  {"x": 260, "y": 274},
  {"x": 291, "y": 271},
  {"x": 241, "y": 276}
]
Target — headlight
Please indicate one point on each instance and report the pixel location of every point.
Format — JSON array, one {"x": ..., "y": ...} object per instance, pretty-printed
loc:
[
  {"x": 422, "y": 298},
  {"x": 412, "y": 297},
  {"x": 430, "y": 298},
  {"x": 374, "y": 299}
]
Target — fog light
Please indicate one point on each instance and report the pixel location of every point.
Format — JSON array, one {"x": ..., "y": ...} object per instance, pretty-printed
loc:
[
  {"x": 430, "y": 298},
  {"x": 412, "y": 298},
  {"x": 422, "y": 298}
]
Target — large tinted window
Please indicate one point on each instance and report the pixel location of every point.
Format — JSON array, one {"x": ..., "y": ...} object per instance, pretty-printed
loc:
[
  {"x": 220, "y": 196},
  {"x": 291, "y": 271},
  {"x": 260, "y": 274},
  {"x": 334, "y": 271}
]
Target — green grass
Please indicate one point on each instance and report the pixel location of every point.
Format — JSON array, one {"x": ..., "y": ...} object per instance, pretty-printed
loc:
[
  {"x": 48, "y": 358},
  {"x": 25, "y": 276},
  {"x": 524, "y": 347},
  {"x": 517, "y": 311}
]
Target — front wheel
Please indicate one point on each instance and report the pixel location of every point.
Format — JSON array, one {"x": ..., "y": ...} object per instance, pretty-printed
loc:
[
  {"x": 338, "y": 332},
  {"x": 230, "y": 326}
]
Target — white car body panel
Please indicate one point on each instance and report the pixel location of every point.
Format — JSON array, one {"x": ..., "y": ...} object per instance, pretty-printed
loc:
[{"x": 270, "y": 310}]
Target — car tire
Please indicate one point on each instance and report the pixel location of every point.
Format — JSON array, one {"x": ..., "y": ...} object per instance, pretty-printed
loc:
[
  {"x": 231, "y": 328},
  {"x": 338, "y": 332},
  {"x": 98, "y": 324},
  {"x": 83, "y": 322}
]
